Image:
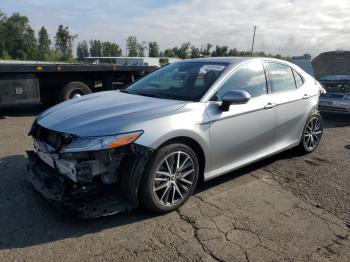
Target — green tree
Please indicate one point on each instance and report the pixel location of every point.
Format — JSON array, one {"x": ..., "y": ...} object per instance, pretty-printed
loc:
[
  {"x": 82, "y": 50},
  {"x": 169, "y": 53},
  {"x": 115, "y": 50},
  {"x": 195, "y": 52},
  {"x": 44, "y": 43},
  {"x": 245, "y": 53},
  {"x": 2, "y": 34},
  {"x": 17, "y": 37},
  {"x": 95, "y": 48},
  {"x": 233, "y": 52},
  {"x": 220, "y": 51},
  {"x": 5, "y": 55},
  {"x": 132, "y": 46},
  {"x": 141, "y": 49},
  {"x": 53, "y": 56},
  {"x": 175, "y": 51},
  {"x": 184, "y": 51},
  {"x": 278, "y": 56},
  {"x": 153, "y": 49},
  {"x": 111, "y": 49},
  {"x": 64, "y": 43},
  {"x": 205, "y": 50}
]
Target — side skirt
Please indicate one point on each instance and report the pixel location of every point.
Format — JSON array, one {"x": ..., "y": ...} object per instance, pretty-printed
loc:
[{"x": 240, "y": 164}]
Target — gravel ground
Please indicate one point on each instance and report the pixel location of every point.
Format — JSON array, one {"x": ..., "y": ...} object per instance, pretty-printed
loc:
[{"x": 285, "y": 208}]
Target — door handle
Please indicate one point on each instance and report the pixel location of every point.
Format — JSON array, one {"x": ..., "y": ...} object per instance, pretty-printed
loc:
[
  {"x": 306, "y": 96},
  {"x": 270, "y": 105}
]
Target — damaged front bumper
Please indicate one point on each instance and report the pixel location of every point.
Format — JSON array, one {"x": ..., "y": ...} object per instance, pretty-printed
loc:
[
  {"x": 334, "y": 106},
  {"x": 93, "y": 197}
]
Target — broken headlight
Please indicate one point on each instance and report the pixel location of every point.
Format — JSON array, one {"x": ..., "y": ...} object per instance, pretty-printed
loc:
[{"x": 83, "y": 144}]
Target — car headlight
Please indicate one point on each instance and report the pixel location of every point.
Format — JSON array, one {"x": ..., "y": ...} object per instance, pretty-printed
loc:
[{"x": 83, "y": 144}]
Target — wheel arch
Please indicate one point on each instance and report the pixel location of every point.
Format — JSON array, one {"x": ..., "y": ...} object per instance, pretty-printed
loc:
[{"x": 313, "y": 110}]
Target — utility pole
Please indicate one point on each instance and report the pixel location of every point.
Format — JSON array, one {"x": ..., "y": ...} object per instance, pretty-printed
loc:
[{"x": 253, "y": 40}]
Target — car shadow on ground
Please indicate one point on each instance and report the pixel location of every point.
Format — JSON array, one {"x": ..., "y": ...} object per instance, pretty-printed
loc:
[{"x": 27, "y": 219}]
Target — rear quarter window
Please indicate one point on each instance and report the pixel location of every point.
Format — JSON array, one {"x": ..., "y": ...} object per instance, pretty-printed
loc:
[
  {"x": 298, "y": 79},
  {"x": 282, "y": 77}
]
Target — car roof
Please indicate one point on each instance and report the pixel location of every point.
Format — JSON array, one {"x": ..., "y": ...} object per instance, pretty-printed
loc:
[{"x": 233, "y": 59}]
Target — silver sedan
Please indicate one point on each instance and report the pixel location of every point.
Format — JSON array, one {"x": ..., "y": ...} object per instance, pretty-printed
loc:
[{"x": 154, "y": 140}]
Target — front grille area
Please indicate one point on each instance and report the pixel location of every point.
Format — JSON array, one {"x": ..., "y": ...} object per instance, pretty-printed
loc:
[
  {"x": 331, "y": 108},
  {"x": 55, "y": 139},
  {"x": 333, "y": 95}
]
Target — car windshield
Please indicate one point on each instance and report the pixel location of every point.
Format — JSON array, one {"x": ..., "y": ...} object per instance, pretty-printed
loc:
[{"x": 186, "y": 80}]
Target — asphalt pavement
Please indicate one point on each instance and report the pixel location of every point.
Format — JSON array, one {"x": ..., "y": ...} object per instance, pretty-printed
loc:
[{"x": 285, "y": 208}]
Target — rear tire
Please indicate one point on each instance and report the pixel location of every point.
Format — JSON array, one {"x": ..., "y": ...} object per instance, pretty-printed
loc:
[
  {"x": 312, "y": 133},
  {"x": 170, "y": 178},
  {"x": 74, "y": 89}
]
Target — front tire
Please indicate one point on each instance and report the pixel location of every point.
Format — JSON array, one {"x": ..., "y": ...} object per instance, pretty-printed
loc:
[
  {"x": 312, "y": 133},
  {"x": 170, "y": 178}
]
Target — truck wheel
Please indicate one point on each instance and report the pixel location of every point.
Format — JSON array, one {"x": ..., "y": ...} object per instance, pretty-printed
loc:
[
  {"x": 74, "y": 89},
  {"x": 170, "y": 178}
]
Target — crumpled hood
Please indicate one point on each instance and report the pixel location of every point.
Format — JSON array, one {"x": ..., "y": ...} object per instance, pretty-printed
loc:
[{"x": 105, "y": 113}]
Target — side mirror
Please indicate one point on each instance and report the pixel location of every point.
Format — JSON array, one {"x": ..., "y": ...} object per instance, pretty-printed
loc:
[{"x": 234, "y": 97}]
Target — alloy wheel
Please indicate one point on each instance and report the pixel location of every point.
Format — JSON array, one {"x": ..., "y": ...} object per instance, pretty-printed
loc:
[
  {"x": 173, "y": 178},
  {"x": 313, "y": 133}
]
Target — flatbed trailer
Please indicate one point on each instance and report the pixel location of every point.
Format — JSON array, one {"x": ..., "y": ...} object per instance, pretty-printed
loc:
[{"x": 53, "y": 83}]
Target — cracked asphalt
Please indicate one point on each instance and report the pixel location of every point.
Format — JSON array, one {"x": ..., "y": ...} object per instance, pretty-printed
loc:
[{"x": 285, "y": 208}]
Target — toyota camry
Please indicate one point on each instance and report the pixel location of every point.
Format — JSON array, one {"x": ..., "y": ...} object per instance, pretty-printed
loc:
[{"x": 152, "y": 141}]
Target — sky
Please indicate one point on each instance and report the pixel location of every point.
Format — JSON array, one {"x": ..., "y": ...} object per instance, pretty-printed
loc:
[{"x": 287, "y": 27}]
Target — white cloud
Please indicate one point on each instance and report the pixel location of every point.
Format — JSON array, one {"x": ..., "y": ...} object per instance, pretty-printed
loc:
[
  {"x": 285, "y": 26},
  {"x": 288, "y": 27}
]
